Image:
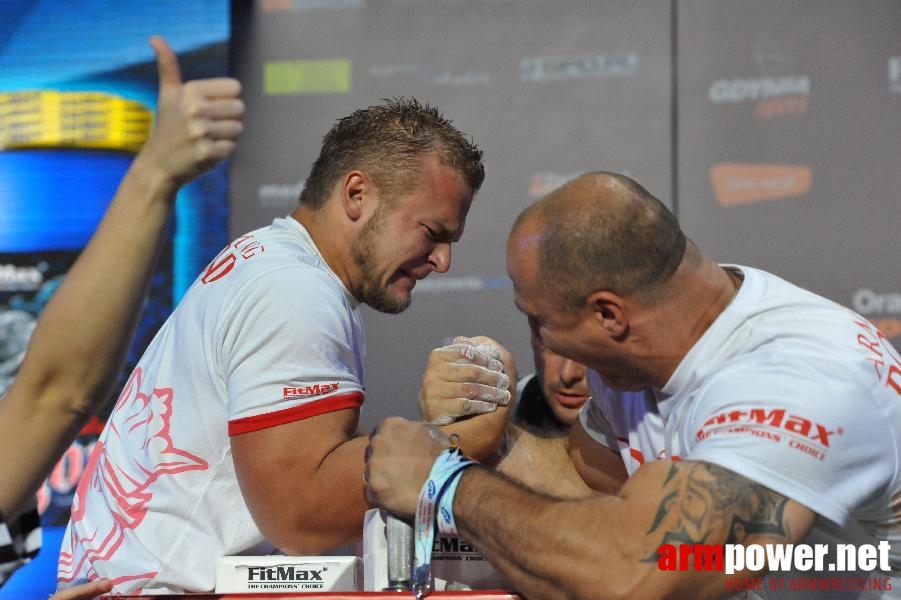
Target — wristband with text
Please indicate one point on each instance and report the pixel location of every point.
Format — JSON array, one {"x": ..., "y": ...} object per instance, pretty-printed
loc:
[{"x": 436, "y": 496}]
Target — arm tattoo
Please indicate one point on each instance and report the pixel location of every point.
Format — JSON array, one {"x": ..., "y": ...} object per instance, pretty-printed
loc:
[{"x": 703, "y": 503}]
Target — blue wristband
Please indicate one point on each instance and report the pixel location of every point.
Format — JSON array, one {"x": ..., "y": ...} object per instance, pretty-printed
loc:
[
  {"x": 443, "y": 478},
  {"x": 446, "y": 523}
]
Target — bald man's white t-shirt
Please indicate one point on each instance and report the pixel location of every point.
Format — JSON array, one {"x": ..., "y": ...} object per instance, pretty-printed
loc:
[{"x": 789, "y": 390}]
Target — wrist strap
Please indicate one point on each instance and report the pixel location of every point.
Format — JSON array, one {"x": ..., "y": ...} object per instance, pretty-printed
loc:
[
  {"x": 437, "y": 494},
  {"x": 446, "y": 523}
]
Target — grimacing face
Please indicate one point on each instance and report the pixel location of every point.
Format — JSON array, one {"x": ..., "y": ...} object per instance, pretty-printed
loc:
[{"x": 410, "y": 236}]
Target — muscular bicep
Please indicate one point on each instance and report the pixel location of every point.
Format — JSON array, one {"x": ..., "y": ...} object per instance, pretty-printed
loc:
[
  {"x": 693, "y": 502},
  {"x": 600, "y": 467},
  {"x": 302, "y": 481},
  {"x": 541, "y": 464}
]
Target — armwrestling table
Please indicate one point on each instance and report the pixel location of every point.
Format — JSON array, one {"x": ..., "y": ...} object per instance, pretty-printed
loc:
[{"x": 475, "y": 595}]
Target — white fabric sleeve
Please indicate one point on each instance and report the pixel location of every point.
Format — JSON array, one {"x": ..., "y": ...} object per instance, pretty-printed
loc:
[
  {"x": 291, "y": 350},
  {"x": 817, "y": 440},
  {"x": 592, "y": 415}
]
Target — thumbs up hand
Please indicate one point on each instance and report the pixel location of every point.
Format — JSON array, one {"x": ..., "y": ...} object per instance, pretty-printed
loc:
[{"x": 197, "y": 122}]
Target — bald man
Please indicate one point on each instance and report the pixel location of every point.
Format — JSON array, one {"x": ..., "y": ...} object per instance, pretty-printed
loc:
[{"x": 744, "y": 410}]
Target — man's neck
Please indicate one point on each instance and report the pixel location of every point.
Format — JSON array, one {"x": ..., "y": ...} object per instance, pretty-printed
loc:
[
  {"x": 701, "y": 291},
  {"x": 330, "y": 240}
]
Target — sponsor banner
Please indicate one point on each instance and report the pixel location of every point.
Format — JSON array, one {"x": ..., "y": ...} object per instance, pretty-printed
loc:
[
  {"x": 300, "y": 77},
  {"x": 303, "y": 5},
  {"x": 868, "y": 302},
  {"x": 269, "y": 574},
  {"x": 894, "y": 75},
  {"x": 21, "y": 278},
  {"x": 578, "y": 66},
  {"x": 430, "y": 75},
  {"x": 461, "y": 284},
  {"x": 882, "y": 308},
  {"x": 735, "y": 183},
  {"x": 27, "y": 282},
  {"x": 778, "y": 89},
  {"x": 54, "y": 119},
  {"x": 771, "y": 96},
  {"x": 889, "y": 326},
  {"x": 546, "y": 182},
  {"x": 281, "y": 195}
]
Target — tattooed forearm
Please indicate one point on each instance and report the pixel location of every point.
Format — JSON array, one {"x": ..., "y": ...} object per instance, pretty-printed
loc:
[
  {"x": 663, "y": 510},
  {"x": 705, "y": 503}
]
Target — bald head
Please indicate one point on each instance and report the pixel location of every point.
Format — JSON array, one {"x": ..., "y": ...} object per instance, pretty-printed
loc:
[{"x": 600, "y": 231}]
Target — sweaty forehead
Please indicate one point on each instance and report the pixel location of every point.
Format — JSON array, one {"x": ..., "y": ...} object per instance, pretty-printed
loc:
[{"x": 439, "y": 192}]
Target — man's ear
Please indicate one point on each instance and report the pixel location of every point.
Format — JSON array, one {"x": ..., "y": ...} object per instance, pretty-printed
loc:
[
  {"x": 356, "y": 188},
  {"x": 610, "y": 311}
]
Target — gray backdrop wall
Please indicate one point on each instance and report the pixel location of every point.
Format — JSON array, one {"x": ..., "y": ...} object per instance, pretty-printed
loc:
[{"x": 770, "y": 127}]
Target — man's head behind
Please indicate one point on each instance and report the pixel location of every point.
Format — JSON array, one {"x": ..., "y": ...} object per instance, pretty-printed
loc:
[
  {"x": 387, "y": 141},
  {"x": 604, "y": 231},
  {"x": 563, "y": 382}
]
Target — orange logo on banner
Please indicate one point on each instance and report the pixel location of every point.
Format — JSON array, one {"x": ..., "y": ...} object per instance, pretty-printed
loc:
[
  {"x": 890, "y": 328},
  {"x": 547, "y": 182},
  {"x": 277, "y": 5},
  {"x": 747, "y": 183}
]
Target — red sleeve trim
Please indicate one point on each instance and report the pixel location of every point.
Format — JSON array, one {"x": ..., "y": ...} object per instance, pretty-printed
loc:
[
  {"x": 93, "y": 427},
  {"x": 295, "y": 413}
]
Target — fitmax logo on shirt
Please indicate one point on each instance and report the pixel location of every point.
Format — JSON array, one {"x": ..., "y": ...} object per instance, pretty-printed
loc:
[
  {"x": 308, "y": 391},
  {"x": 773, "y": 419},
  {"x": 283, "y": 574}
]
